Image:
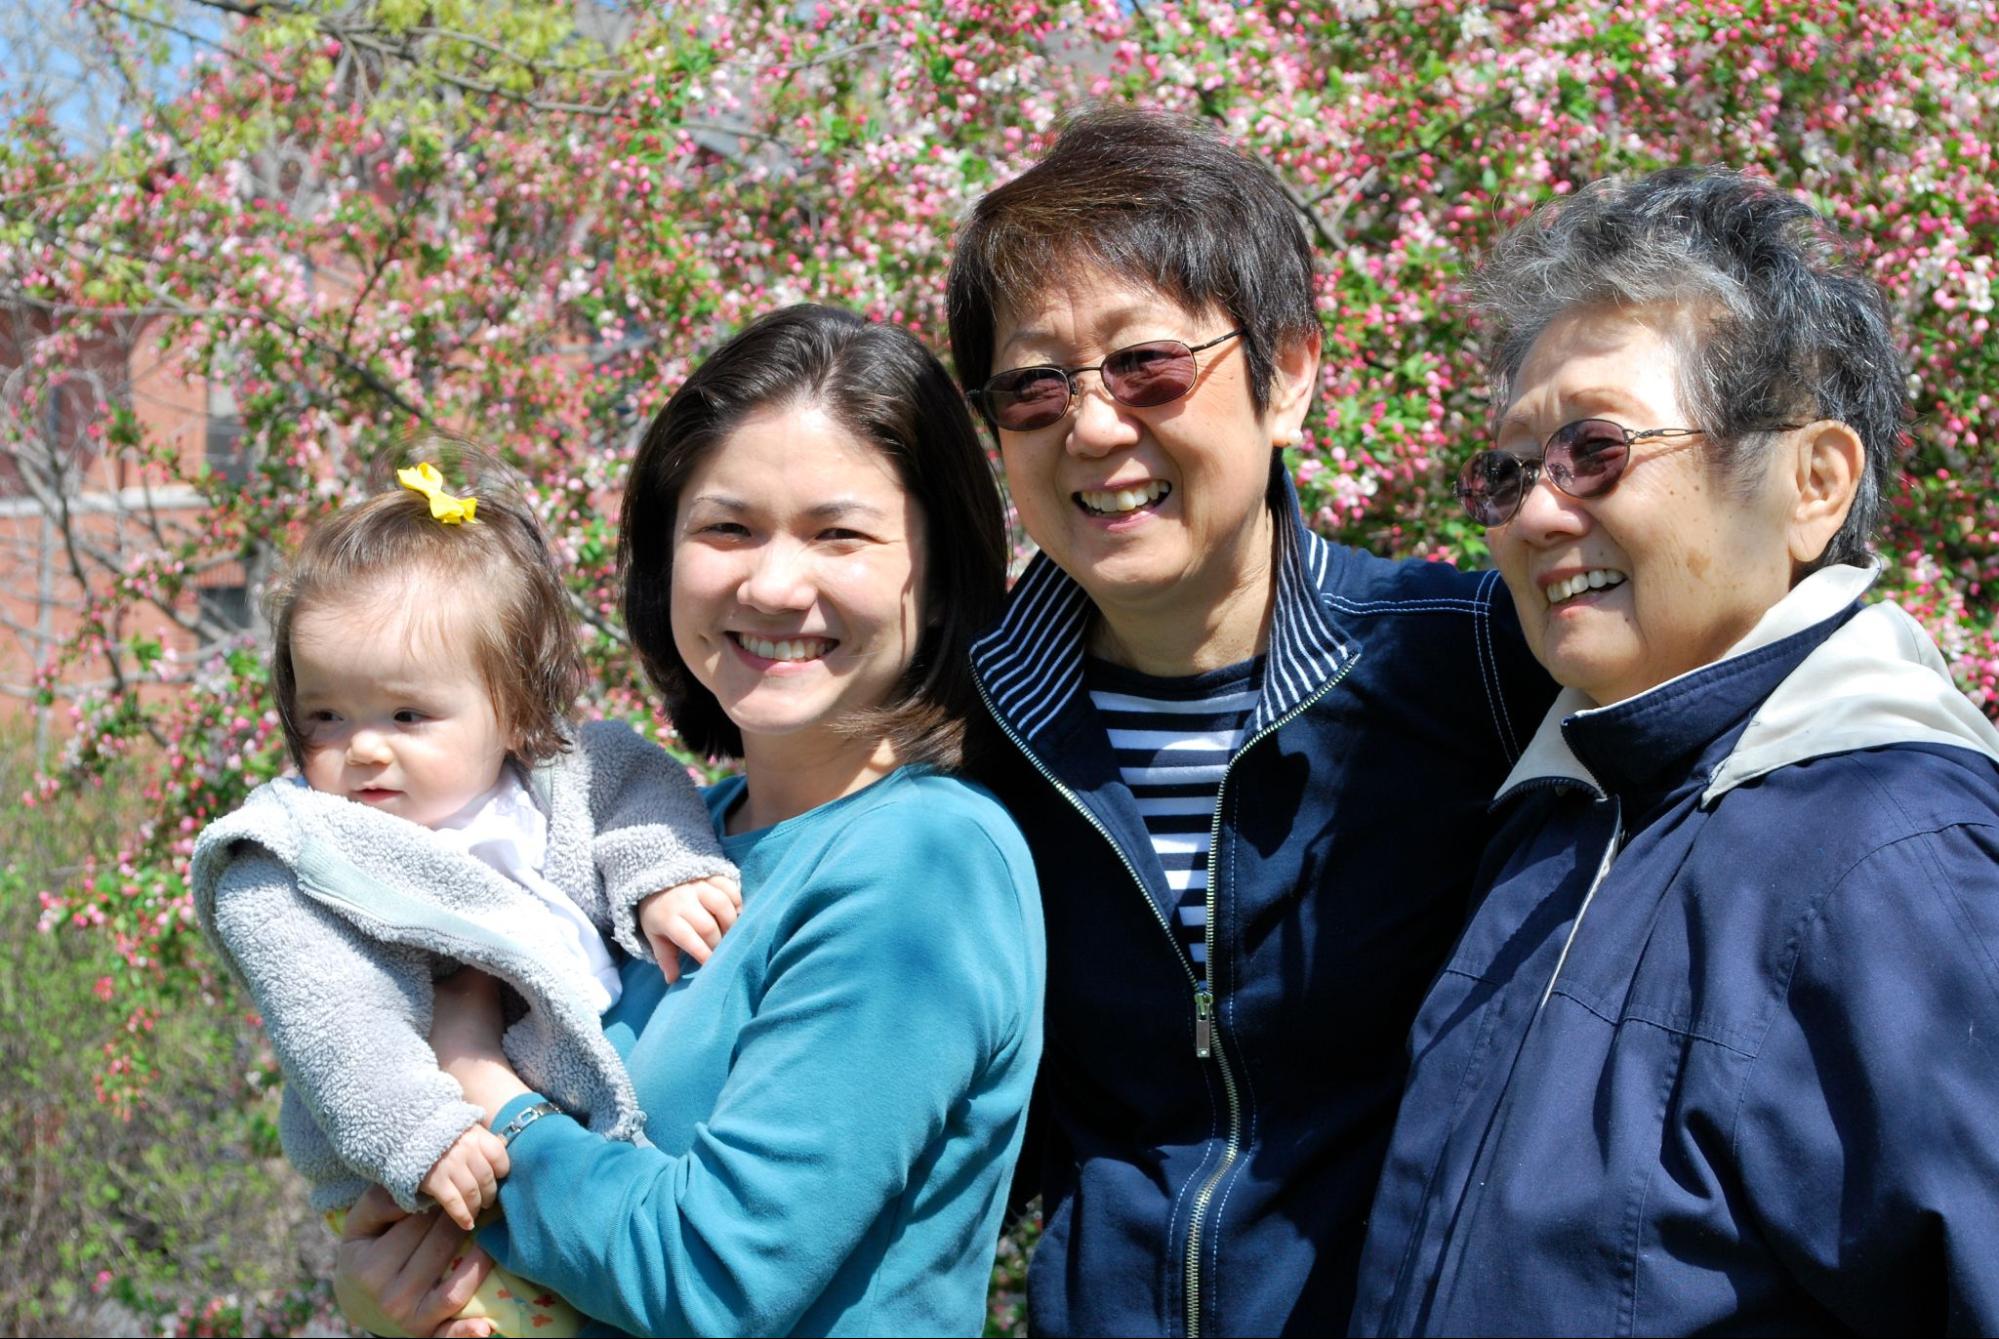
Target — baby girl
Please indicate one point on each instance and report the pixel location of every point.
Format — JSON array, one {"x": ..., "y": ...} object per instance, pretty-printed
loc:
[{"x": 447, "y": 812}]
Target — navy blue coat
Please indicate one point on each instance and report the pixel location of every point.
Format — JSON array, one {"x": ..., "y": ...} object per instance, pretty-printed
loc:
[
  {"x": 1719, "y": 1050},
  {"x": 1220, "y": 1188}
]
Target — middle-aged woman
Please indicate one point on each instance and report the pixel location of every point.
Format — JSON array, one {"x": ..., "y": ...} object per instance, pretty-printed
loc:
[
  {"x": 1719, "y": 1049},
  {"x": 1252, "y": 765},
  {"x": 835, "y": 1099}
]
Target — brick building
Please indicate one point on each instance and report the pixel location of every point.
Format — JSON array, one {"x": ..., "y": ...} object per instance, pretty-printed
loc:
[{"x": 72, "y": 515}]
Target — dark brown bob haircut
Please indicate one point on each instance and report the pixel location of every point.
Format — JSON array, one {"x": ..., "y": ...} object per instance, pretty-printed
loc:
[
  {"x": 498, "y": 566},
  {"x": 1156, "y": 201},
  {"x": 885, "y": 388}
]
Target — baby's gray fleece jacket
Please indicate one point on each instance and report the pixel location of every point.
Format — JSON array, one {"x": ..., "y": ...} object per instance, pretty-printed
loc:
[{"x": 338, "y": 918}]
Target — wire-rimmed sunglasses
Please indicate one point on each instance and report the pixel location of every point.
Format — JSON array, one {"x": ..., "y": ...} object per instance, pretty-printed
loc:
[
  {"x": 1140, "y": 376},
  {"x": 1584, "y": 459}
]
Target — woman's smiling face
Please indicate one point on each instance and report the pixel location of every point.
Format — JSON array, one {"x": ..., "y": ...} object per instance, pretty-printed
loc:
[
  {"x": 1142, "y": 507},
  {"x": 797, "y": 562},
  {"x": 1679, "y": 562}
]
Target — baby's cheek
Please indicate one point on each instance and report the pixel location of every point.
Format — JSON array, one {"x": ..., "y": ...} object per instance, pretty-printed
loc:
[{"x": 322, "y": 767}]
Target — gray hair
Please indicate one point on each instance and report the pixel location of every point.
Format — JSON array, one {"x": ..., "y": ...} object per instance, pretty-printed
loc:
[{"x": 1790, "y": 329}]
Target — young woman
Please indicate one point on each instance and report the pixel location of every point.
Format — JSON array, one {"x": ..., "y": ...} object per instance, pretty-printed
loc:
[{"x": 811, "y": 537}]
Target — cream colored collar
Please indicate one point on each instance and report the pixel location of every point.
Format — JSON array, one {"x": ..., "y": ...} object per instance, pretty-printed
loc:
[{"x": 1878, "y": 680}]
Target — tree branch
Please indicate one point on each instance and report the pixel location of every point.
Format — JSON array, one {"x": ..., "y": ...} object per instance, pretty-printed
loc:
[{"x": 195, "y": 37}]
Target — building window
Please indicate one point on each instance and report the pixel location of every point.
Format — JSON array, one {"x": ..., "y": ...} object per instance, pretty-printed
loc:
[
  {"x": 225, "y": 450},
  {"x": 225, "y": 611}
]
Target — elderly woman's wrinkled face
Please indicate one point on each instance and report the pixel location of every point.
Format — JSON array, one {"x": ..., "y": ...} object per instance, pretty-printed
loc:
[
  {"x": 1677, "y": 562},
  {"x": 1143, "y": 507}
]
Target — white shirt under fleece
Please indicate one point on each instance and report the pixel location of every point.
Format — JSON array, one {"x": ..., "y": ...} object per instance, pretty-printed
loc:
[{"x": 506, "y": 830}]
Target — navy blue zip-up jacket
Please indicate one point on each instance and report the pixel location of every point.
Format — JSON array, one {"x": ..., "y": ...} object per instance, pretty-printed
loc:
[
  {"x": 1223, "y": 1193},
  {"x": 1719, "y": 1050}
]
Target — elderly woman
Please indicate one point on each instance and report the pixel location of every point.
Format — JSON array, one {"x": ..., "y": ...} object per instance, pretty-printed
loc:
[
  {"x": 1716, "y": 1051},
  {"x": 1252, "y": 765}
]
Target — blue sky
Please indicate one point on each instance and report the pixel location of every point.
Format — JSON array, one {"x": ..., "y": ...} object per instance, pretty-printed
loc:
[{"x": 44, "y": 53}]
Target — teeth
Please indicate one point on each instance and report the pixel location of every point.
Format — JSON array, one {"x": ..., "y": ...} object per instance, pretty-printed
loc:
[
  {"x": 1595, "y": 579},
  {"x": 1120, "y": 500},
  {"x": 794, "y": 648}
]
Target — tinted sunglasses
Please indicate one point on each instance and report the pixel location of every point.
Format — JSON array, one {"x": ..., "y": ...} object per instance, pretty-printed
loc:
[
  {"x": 1584, "y": 459},
  {"x": 1140, "y": 376}
]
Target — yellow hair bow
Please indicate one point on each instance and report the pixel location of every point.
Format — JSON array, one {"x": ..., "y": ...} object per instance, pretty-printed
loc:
[{"x": 425, "y": 479}]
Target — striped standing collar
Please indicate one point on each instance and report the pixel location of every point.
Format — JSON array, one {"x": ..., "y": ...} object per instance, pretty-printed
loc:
[{"x": 1031, "y": 662}]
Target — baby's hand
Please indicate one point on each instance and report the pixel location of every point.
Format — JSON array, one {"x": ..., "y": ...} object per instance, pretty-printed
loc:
[
  {"x": 467, "y": 1178},
  {"x": 692, "y": 916}
]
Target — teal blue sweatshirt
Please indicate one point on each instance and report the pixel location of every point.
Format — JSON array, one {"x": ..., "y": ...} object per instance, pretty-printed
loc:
[{"x": 835, "y": 1100}]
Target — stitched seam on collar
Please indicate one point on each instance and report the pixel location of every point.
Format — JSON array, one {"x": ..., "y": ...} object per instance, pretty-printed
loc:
[
  {"x": 1032, "y": 661},
  {"x": 1428, "y": 604},
  {"x": 1305, "y": 649},
  {"x": 1488, "y": 668}
]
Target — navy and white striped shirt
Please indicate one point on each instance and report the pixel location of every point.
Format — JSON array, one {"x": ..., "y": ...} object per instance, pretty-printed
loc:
[{"x": 1173, "y": 739}]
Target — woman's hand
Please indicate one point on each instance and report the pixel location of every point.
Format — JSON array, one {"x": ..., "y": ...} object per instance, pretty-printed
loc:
[
  {"x": 399, "y": 1273},
  {"x": 465, "y": 1028}
]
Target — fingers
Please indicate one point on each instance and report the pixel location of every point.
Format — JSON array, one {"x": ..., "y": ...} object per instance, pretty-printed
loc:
[
  {"x": 489, "y": 1188},
  {"x": 689, "y": 928},
  {"x": 668, "y": 957},
  {"x": 488, "y": 1177},
  {"x": 373, "y": 1214},
  {"x": 454, "y": 1206},
  {"x": 654, "y": 908},
  {"x": 458, "y": 1277},
  {"x": 722, "y": 903},
  {"x": 497, "y": 1157},
  {"x": 467, "y": 1177},
  {"x": 696, "y": 931},
  {"x": 690, "y": 917},
  {"x": 466, "y": 1327},
  {"x": 414, "y": 1274}
]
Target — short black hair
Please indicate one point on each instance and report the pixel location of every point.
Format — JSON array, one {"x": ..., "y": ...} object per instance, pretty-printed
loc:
[
  {"x": 882, "y": 385},
  {"x": 1156, "y": 200}
]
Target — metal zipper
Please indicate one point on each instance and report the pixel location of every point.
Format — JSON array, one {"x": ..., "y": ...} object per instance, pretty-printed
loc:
[
  {"x": 1207, "y": 1038},
  {"x": 1205, "y": 1042},
  {"x": 1102, "y": 831}
]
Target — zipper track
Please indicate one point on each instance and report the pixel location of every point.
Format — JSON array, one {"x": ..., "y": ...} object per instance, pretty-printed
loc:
[
  {"x": 1092, "y": 820},
  {"x": 1205, "y": 1043},
  {"x": 1233, "y": 1147},
  {"x": 1206, "y": 1024}
]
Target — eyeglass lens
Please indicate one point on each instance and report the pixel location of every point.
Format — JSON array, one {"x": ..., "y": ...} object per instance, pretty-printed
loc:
[
  {"x": 1143, "y": 376},
  {"x": 1584, "y": 459}
]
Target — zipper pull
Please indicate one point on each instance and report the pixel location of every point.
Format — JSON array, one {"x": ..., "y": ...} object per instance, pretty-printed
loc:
[{"x": 1204, "y": 1021}]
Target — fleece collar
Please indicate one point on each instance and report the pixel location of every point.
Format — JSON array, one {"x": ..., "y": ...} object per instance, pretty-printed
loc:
[{"x": 1874, "y": 679}]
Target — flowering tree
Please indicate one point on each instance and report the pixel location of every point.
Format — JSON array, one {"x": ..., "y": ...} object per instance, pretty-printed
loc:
[{"x": 374, "y": 218}]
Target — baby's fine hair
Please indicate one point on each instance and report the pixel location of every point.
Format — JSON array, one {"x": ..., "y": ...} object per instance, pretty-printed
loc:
[{"x": 498, "y": 566}]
